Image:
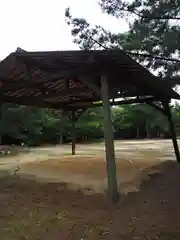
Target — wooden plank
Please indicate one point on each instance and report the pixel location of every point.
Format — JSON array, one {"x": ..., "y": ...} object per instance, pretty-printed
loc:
[
  {"x": 21, "y": 83},
  {"x": 109, "y": 143}
]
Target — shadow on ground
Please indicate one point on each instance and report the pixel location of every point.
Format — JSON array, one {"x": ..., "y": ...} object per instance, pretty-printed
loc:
[{"x": 31, "y": 210}]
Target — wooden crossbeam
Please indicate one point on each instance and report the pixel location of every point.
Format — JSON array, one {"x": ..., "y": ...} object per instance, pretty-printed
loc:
[
  {"x": 34, "y": 102},
  {"x": 128, "y": 101},
  {"x": 41, "y": 102}
]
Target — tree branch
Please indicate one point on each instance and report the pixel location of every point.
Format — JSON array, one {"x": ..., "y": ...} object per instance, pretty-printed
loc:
[
  {"x": 133, "y": 53},
  {"x": 127, "y": 8}
]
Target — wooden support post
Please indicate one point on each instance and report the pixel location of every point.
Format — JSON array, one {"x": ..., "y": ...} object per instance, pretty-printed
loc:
[
  {"x": 73, "y": 133},
  {"x": 172, "y": 130},
  {"x": 109, "y": 143},
  {"x": 73, "y": 117}
]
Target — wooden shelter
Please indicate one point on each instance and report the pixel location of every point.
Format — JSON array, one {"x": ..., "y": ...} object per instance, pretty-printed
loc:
[{"x": 76, "y": 80}]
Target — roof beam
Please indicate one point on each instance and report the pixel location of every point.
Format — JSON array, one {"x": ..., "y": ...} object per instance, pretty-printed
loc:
[
  {"x": 13, "y": 86},
  {"x": 37, "y": 103},
  {"x": 36, "y": 100},
  {"x": 51, "y": 93},
  {"x": 128, "y": 101}
]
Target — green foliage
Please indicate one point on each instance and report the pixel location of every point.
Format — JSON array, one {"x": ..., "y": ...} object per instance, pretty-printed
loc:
[
  {"x": 153, "y": 28},
  {"x": 35, "y": 126},
  {"x": 90, "y": 125}
]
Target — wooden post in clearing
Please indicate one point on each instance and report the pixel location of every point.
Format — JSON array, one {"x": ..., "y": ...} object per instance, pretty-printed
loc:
[
  {"x": 73, "y": 133},
  {"x": 172, "y": 130},
  {"x": 109, "y": 143}
]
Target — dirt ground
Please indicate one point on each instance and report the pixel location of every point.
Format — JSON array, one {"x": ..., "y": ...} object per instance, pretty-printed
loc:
[
  {"x": 57, "y": 196},
  {"x": 87, "y": 170}
]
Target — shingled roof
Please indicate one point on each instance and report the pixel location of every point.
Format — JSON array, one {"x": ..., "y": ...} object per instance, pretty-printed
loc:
[{"x": 71, "y": 79}]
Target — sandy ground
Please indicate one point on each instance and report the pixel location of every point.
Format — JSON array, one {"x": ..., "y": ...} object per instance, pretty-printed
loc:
[
  {"x": 87, "y": 170},
  {"x": 37, "y": 210}
]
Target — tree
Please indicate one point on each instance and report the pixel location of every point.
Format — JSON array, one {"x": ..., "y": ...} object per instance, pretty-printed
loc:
[
  {"x": 31, "y": 125},
  {"x": 152, "y": 39},
  {"x": 138, "y": 121},
  {"x": 21, "y": 123},
  {"x": 90, "y": 125},
  {"x": 153, "y": 29},
  {"x": 35, "y": 126}
]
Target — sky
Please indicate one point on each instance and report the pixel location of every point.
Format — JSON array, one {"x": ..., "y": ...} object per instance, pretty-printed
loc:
[{"x": 40, "y": 24}]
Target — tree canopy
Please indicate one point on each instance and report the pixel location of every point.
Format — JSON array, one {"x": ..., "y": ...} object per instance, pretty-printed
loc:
[
  {"x": 34, "y": 126},
  {"x": 154, "y": 30}
]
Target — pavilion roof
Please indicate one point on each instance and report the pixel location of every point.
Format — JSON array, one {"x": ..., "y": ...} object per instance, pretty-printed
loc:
[{"x": 71, "y": 79}]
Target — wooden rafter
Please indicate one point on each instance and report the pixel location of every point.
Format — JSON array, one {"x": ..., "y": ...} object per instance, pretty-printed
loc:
[
  {"x": 11, "y": 84},
  {"x": 126, "y": 78},
  {"x": 128, "y": 101}
]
